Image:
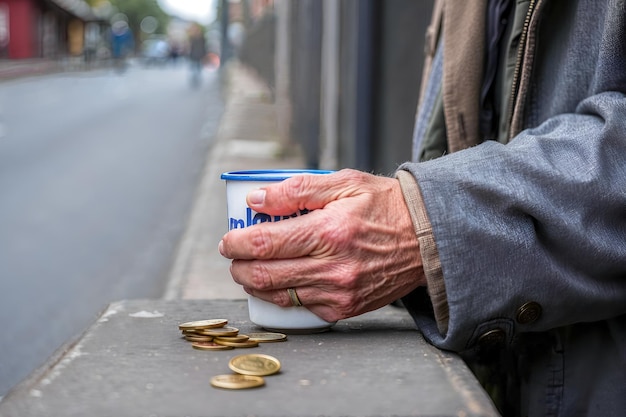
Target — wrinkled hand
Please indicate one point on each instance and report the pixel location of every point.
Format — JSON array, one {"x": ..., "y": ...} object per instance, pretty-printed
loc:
[{"x": 356, "y": 252}]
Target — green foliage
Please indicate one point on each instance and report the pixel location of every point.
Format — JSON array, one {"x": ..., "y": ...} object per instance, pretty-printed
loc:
[{"x": 136, "y": 10}]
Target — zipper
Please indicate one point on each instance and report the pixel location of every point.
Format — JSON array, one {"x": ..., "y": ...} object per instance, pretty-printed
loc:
[{"x": 518, "y": 64}]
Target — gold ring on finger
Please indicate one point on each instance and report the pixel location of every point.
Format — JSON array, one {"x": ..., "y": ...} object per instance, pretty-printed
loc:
[{"x": 293, "y": 296}]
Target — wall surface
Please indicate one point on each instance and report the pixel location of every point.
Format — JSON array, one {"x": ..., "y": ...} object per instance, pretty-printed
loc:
[
  {"x": 399, "y": 72},
  {"x": 346, "y": 76},
  {"x": 22, "y": 33}
]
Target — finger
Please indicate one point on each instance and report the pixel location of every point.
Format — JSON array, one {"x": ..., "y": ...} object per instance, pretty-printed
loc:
[
  {"x": 329, "y": 305},
  {"x": 278, "y": 297},
  {"x": 280, "y": 274},
  {"x": 328, "y": 308},
  {"x": 290, "y": 238},
  {"x": 282, "y": 299},
  {"x": 305, "y": 192},
  {"x": 318, "y": 283},
  {"x": 335, "y": 283}
]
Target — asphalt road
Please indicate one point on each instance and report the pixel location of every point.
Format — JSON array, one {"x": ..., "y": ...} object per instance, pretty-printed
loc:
[{"x": 97, "y": 176}]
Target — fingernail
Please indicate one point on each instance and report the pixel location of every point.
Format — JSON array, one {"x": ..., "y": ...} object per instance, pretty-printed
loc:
[
  {"x": 220, "y": 247},
  {"x": 256, "y": 196}
]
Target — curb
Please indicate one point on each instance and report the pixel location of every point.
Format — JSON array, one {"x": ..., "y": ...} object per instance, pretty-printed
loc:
[{"x": 246, "y": 138}]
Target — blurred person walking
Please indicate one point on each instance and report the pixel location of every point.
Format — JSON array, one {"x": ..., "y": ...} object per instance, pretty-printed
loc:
[
  {"x": 122, "y": 43},
  {"x": 197, "y": 53}
]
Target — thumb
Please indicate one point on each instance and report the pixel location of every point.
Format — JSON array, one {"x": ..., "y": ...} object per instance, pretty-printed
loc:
[{"x": 303, "y": 192}]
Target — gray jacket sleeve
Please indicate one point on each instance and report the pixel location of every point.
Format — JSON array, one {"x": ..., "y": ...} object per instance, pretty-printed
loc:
[{"x": 541, "y": 219}]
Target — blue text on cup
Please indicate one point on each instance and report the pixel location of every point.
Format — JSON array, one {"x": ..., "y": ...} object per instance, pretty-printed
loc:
[{"x": 251, "y": 220}]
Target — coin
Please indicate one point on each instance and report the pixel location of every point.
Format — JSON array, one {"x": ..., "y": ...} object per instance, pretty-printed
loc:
[
  {"x": 203, "y": 324},
  {"x": 222, "y": 331},
  {"x": 209, "y": 346},
  {"x": 198, "y": 338},
  {"x": 254, "y": 364},
  {"x": 237, "y": 381},
  {"x": 239, "y": 344},
  {"x": 266, "y": 337},
  {"x": 236, "y": 338}
]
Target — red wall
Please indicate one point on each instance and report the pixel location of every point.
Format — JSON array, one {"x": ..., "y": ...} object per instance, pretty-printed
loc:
[{"x": 22, "y": 28}]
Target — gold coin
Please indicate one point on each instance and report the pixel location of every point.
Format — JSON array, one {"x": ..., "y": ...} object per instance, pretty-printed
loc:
[
  {"x": 254, "y": 364},
  {"x": 236, "y": 381},
  {"x": 209, "y": 346},
  {"x": 236, "y": 338},
  {"x": 198, "y": 338},
  {"x": 266, "y": 337},
  {"x": 220, "y": 332},
  {"x": 239, "y": 344},
  {"x": 203, "y": 324}
]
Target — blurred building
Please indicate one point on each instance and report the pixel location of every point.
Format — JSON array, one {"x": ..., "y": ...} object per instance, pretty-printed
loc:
[
  {"x": 46, "y": 28},
  {"x": 345, "y": 75}
]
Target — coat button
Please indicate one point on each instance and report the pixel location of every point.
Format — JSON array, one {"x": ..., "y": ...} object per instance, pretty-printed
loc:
[
  {"x": 492, "y": 338},
  {"x": 528, "y": 313}
]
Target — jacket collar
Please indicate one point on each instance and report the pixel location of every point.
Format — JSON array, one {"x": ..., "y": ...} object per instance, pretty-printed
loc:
[{"x": 464, "y": 49}]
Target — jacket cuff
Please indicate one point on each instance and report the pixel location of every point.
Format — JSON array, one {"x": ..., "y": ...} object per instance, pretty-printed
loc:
[{"x": 428, "y": 248}]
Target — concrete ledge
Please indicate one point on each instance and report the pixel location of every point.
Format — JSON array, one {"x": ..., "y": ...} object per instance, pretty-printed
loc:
[{"x": 133, "y": 362}]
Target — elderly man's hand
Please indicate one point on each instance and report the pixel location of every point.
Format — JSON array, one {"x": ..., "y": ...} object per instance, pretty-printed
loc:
[{"x": 355, "y": 252}]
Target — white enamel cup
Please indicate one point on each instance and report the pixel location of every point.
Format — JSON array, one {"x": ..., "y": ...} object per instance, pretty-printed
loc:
[{"x": 262, "y": 313}]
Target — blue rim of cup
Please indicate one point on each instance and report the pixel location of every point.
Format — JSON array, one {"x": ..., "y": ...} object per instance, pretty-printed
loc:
[{"x": 268, "y": 174}]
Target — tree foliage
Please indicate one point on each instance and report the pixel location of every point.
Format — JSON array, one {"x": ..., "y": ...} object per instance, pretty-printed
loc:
[{"x": 136, "y": 11}]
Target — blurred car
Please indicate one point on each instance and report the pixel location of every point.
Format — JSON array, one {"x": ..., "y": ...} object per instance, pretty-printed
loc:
[{"x": 155, "y": 51}]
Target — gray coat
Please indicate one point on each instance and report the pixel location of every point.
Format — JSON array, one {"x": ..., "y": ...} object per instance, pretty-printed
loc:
[{"x": 529, "y": 231}]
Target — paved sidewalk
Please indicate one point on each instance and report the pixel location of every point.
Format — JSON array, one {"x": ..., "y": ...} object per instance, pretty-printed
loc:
[
  {"x": 247, "y": 138},
  {"x": 16, "y": 68},
  {"x": 133, "y": 362},
  {"x": 11, "y": 69}
]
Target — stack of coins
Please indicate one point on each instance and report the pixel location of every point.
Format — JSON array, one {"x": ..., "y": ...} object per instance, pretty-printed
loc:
[
  {"x": 249, "y": 371},
  {"x": 214, "y": 334}
]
